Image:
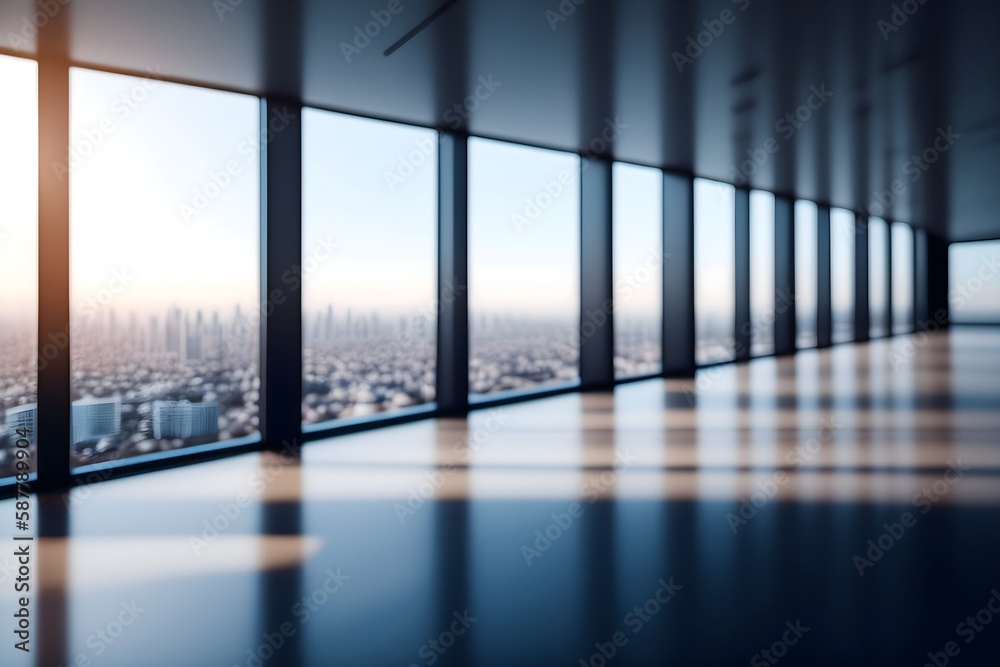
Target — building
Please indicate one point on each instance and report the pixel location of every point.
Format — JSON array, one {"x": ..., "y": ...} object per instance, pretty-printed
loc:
[
  {"x": 94, "y": 418},
  {"x": 22, "y": 417},
  {"x": 183, "y": 419}
]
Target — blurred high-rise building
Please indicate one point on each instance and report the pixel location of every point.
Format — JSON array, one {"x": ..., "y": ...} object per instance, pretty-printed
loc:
[
  {"x": 183, "y": 419},
  {"x": 96, "y": 418},
  {"x": 22, "y": 417}
]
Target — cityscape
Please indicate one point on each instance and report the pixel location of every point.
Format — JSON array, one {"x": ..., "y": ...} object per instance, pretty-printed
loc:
[
  {"x": 356, "y": 366},
  {"x": 177, "y": 380},
  {"x": 186, "y": 378},
  {"x": 18, "y": 391},
  {"x": 638, "y": 349},
  {"x": 714, "y": 340},
  {"x": 514, "y": 354}
]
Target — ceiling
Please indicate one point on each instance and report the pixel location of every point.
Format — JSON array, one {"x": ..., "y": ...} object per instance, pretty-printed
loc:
[{"x": 564, "y": 69}]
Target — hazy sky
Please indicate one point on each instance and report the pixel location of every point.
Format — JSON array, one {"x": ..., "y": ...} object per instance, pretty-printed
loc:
[
  {"x": 902, "y": 274},
  {"x": 878, "y": 273},
  {"x": 714, "y": 251},
  {"x": 523, "y": 261},
  {"x": 973, "y": 276},
  {"x": 369, "y": 187},
  {"x": 842, "y": 235},
  {"x": 143, "y": 150},
  {"x": 18, "y": 191},
  {"x": 806, "y": 288},
  {"x": 144, "y": 202},
  {"x": 638, "y": 241}
]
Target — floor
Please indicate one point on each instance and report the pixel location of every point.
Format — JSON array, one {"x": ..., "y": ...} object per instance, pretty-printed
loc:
[{"x": 833, "y": 508}]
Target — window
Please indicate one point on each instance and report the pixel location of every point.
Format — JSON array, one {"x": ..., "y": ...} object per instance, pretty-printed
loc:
[
  {"x": 806, "y": 273},
  {"x": 842, "y": 238},
  {"x": 878, "y": 276},
  {"x": 715, "y": 271},
  {"x": 524, "y": 267},
  {"x": 902, "y": 278},
  {"x": 762, "y": 294},
  {"x": 164, "y": 282},
  {"x": 18, "y": 261},
  {"x": 638, "y": 261},
  {"x": 369, "y": 256},
  {"x": 973, "y": 287}
]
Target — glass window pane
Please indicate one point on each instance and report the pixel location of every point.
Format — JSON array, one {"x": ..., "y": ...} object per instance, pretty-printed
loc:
[
  {"x": 164, "y": 246},
  {"x": 524, "y": 267},
  {"x": 18, "y": 260},
  {"x": 842, "y": 235},
  {"x": 902, "y": 278},
  {"x": 878, "y": 276},
  {"x": 761, "y": 273},
  {"x": 369, "y": 248},
  {"x": 806, "y": 273},
  {"x": 638, "y": 261},
  {"x": 973, "y": 287},
  {"x": 715, "y": 271}
]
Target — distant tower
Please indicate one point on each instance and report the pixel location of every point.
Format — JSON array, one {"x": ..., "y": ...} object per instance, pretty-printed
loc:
[
  {"x": 328, "y": 333},
  {"x": 175, "y": 335},
  {"x": 193, "y": 338},
  {"x": 154, "y": 334},
  {"x": 240, "y": 329},
  {"x": 215, "y": 334},
  {"x": 133, "y": 329}
]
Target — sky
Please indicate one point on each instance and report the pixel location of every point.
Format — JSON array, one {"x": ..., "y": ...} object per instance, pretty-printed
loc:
[
  {"x": 973, "y": 277},
  {"x": 806, "y": 270},
  {"x": 878, "y": 239},
  {"x": 523, "y": 261},
  {"x": 142, "y": 151},
  {"x": 18, "y": 192},
  {"x": 637, "y": 200},
  {"x": 714, "y": 251},
  {"x": 147, "y": 159},
  {"x": 902, "y": 274},
  {"x": 842, "y": 236},
  {"x": 370, "y": 189}
]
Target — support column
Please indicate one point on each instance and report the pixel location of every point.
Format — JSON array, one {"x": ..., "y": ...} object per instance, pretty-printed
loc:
[
  {"x": 54, "y": 335},
  {"x": 862, "y": 321},
  {"x": 933, "y": 267},
  {"x": 281, "y": 252},
  {"x": 453, "y": 276},
  {"x": 597, "y": 322},
  {"x": 743, "y": 324},
  {"x": 54, "y": 340},
  {"x": 824, "y": 298},
  {"x": 784, "y": 276},
  {"x": 678, "y": 276}
]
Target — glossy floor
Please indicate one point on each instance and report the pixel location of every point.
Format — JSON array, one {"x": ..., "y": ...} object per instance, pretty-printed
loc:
[{"x": 839, "y": 507}]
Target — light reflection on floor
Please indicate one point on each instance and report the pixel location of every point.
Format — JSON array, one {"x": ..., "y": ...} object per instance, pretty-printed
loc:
[{"x": 754, "y": 487}]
